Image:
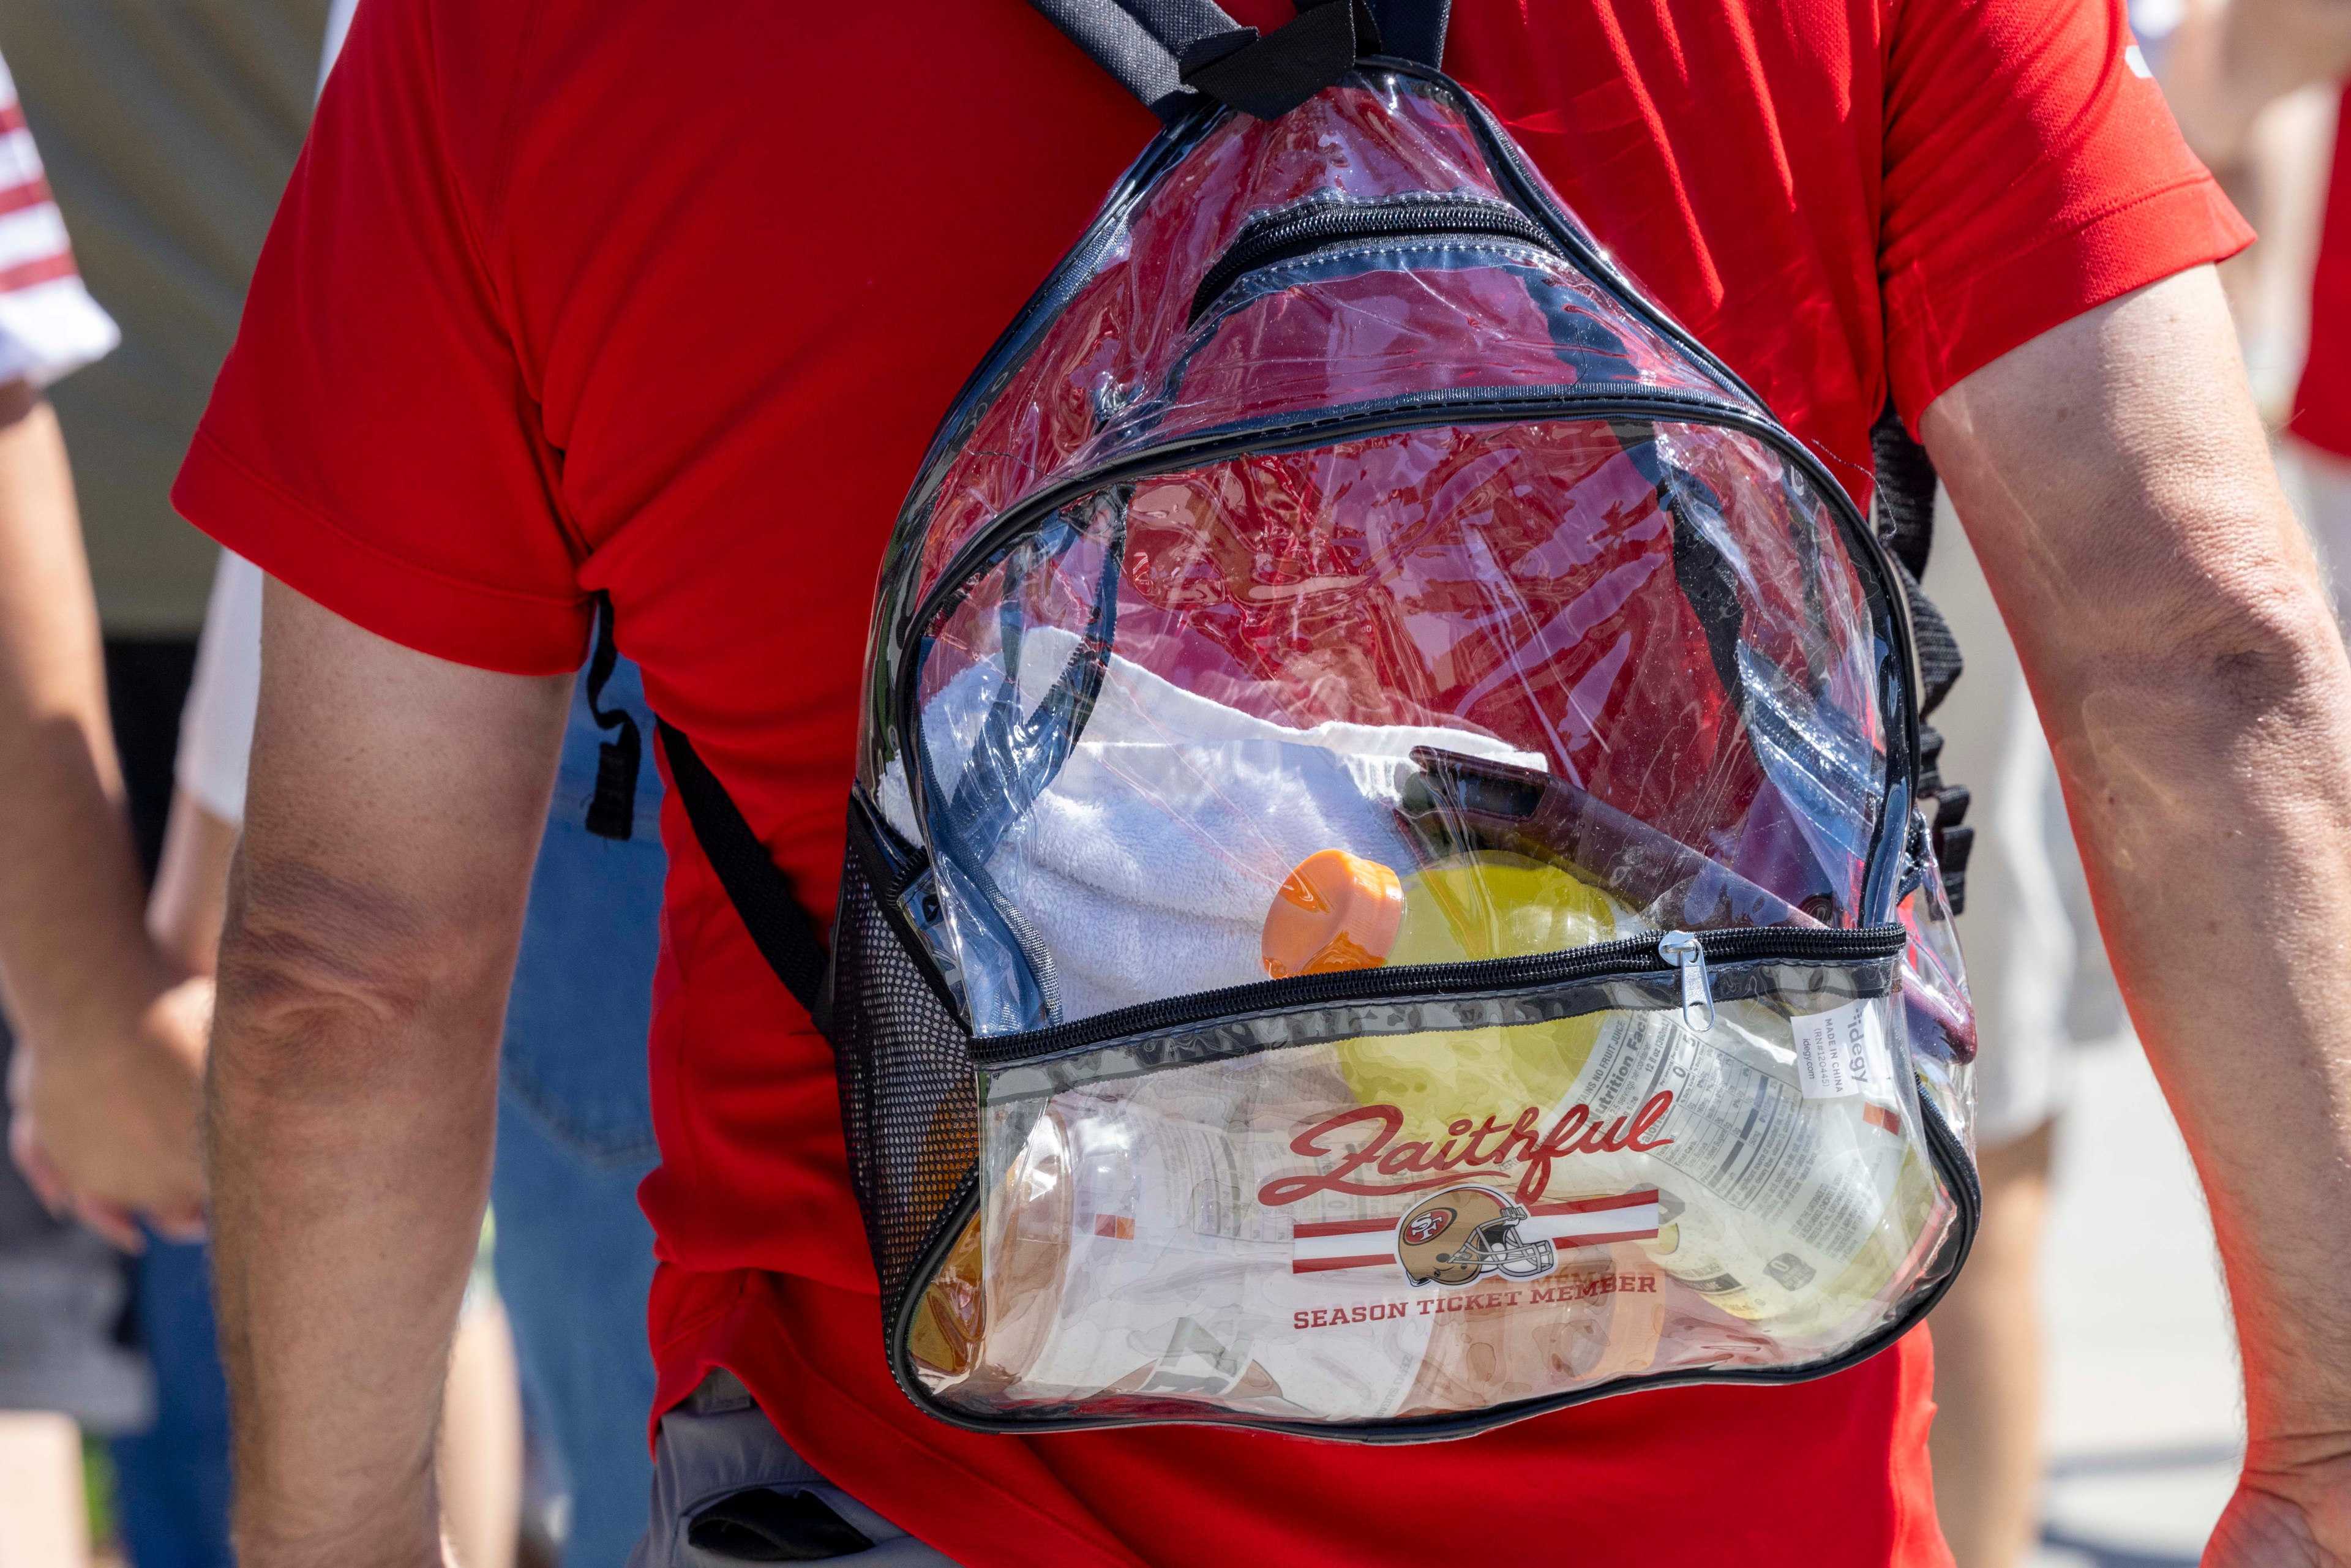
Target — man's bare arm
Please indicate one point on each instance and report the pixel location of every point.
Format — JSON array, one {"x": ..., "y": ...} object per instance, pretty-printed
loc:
[
  {"x": 106, "y": 1078},
  {"x": 375, "y": 904},
  {"x": 2114, "y": 480}
]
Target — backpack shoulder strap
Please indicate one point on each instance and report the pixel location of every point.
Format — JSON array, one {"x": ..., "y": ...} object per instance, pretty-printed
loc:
[
  {"x": 1173, "y": 53},
  {"x": 760, "y": 893},
  {"x": 1414, "y": 29},
  {"x": 1143, "y": 42},
  {"x": 1904, "y": 511}
]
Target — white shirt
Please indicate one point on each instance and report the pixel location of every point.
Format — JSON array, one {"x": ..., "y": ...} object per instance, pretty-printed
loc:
[{"x": 217, "y": 727}]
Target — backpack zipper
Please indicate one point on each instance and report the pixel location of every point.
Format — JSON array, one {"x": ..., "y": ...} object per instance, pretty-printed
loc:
[
  {"x": 1684, "y": 952},
  {"x": 1688, "y": 953},
  {"x": 1292, "y": 232}
]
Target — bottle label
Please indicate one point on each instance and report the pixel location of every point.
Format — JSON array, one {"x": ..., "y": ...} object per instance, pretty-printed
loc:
[{"x": 1843, "y": 1052}]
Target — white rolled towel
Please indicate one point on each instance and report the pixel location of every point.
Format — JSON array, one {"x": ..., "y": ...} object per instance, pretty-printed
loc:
[{"x": 1148, "y": 864}]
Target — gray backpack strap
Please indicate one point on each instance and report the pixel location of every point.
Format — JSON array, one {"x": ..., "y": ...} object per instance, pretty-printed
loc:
[{"x": 1143, "y": 42}]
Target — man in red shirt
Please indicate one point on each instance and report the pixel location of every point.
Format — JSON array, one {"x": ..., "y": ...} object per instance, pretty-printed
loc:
[{"x": 664, "y": 301}]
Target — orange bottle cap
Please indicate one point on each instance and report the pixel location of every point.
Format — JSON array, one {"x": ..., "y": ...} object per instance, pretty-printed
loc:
[{"x": 1335, "y": 911}]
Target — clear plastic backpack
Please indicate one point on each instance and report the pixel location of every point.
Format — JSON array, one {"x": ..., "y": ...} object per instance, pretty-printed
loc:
[{"x": 1386, "y": 890}]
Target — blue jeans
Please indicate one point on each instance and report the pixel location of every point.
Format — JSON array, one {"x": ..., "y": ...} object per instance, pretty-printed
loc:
[
  {"x": 172, "y": 1494},
  {"x": 575, "y": 1255}
]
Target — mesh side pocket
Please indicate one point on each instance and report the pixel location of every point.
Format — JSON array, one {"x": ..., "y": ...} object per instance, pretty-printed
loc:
[{"x": 903, "y": 1062}]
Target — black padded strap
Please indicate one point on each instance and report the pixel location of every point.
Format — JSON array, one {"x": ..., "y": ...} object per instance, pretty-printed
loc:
[
  {"x": 1270, "y": 76},
  {"x": 1905, "y": 516},
  {"x": 1414, "y": 29},
  {"x": 760, "y": 893},
  {"x": 1171, "y": 54}
]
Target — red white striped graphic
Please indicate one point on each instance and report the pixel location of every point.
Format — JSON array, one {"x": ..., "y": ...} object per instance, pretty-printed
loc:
[
  {"x": 1343, "y": 1244},
  {"x": 1594, "y": 1221},
  {"x": 49, "y": 323},
  {"x": 1319, "y": 1245}
]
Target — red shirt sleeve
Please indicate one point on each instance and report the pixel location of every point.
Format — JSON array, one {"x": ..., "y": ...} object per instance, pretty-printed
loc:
[
  {"x": 372, "y": 440},
  {"x": 2322, "y": 404},
  {"x": 2033, "y": 171}
]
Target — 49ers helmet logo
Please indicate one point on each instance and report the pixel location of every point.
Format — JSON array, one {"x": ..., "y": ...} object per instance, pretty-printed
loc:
[{"x": 1457, "y": 1236}]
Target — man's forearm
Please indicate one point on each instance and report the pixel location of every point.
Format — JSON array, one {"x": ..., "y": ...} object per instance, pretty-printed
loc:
[
  {"x": 351, "y": 1116},
  {"x": 2197, "y": 696},
  {"x": 374, "y": 909}
]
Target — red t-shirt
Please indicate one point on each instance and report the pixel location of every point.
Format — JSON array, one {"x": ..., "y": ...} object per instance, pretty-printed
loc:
[
  {"x": 2322, "y": 404},
  {"x": 665, "y": 300}
]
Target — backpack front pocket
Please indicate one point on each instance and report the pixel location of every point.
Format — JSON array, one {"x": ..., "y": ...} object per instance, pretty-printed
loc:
[{"x": 1456, "y": 1196}]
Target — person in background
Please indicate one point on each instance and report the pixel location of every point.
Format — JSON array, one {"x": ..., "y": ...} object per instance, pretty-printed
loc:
[
  {"x": 574, "y": 1255},
  {"x": 2320, "y": 432},
  {"x": 173, "y": 130},
  {"x": 105, "y": 1026},
  {"x": 170, "y": 130},
  {"x": 2042, "y": 989},
  {"x": 2036, "y": 965},
  {"x": 2227, "y": 62}
]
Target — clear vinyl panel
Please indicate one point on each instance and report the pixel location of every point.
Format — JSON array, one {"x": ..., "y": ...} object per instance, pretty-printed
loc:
[
  {"x": 1382, "y": 1213},
  {"x": 1148, "y": 332},
  {"x": 1246, "y": 720},
  {"x": 1942, "y": 1025}
]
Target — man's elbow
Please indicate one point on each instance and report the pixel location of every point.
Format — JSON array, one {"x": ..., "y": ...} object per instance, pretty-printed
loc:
[
  {"x": 2220, "y": 650},
  {"x": 332, "y": 989}
]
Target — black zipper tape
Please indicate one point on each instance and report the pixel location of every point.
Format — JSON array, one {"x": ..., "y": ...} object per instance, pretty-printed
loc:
[
  {"x": 1295, "y": 231},
  {"x": 1628, "y": 957}
]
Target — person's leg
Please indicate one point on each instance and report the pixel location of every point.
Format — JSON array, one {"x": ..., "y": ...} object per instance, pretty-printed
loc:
[
  {"x": 172, "y": 1480},
  {"x": 727, "y": 1489},
  {"x": 2325, "y": 486},
  {"x": 2028, "y": 948},
  {"x": 575, "y": 1256},
  {"x": 173, "y": 1492},
  {"x": 481, "y": 1440},
  {"x": 1986, "y": 1440},
  {"x": 43, "y": 1518},
  {"x": 575, "y": 1263}
]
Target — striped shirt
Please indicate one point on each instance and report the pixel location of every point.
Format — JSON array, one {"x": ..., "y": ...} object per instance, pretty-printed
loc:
[{"x": 49, "y": 326}]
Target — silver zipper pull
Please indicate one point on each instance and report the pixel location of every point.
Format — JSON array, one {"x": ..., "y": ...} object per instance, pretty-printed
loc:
[{"x": 1681, "y": 949}]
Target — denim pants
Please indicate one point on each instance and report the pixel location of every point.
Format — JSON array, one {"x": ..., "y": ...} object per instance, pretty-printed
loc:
[
  {"x": 575, "y": 1255},
  {"x": 171, "y": 1490}
]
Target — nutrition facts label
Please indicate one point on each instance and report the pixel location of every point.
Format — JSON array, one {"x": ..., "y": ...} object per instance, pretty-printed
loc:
[{"x": 1740, "y": 1132}]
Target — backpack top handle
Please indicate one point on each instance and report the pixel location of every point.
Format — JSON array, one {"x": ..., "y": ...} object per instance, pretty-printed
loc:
[{"x": 1175, "y": 54}]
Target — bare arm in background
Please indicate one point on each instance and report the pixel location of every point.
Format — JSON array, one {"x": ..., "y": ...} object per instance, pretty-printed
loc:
[
  {"x": 2229, "y": 59},
  {"x": 191, "y": 895},
  {"x": 106, "y": 1080},
  {"x": 374, "y": 909},
  {"x": 2117, "y": 488}
]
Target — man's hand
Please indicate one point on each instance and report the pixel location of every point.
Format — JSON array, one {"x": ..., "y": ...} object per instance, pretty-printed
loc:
[
  {"x": 2194, "y": 688},
  {"x": 106, "y": 1126},
  {"x": 375, "y": 908},
  {"x": 2290, "y": 1511}
]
